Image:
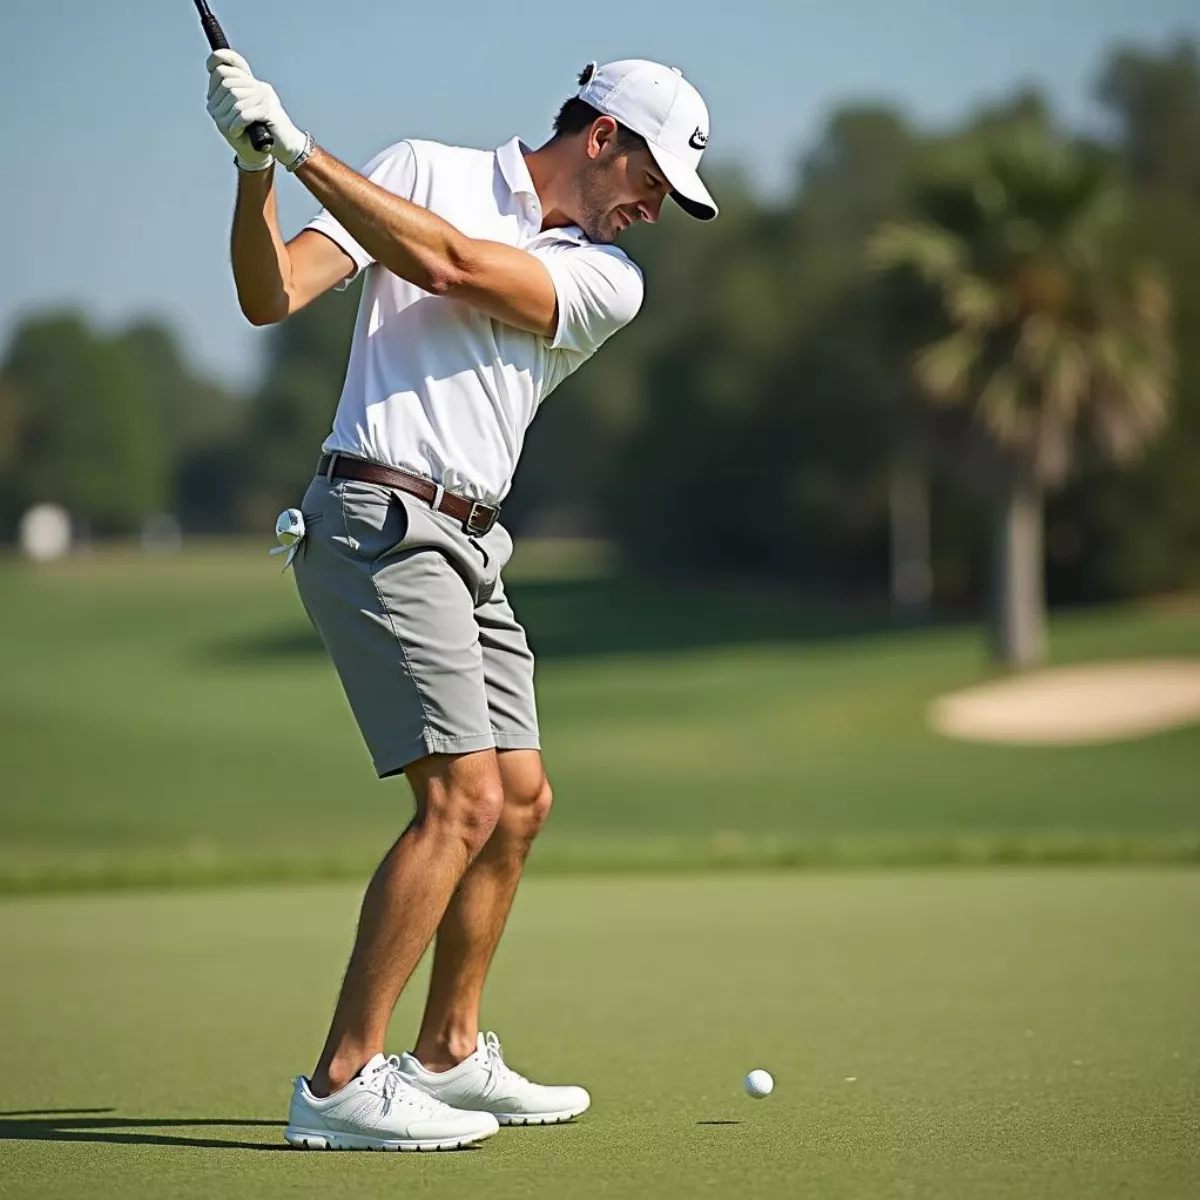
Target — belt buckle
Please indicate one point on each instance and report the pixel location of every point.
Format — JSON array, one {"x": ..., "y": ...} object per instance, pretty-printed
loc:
[{"x": 489, "y": 520}]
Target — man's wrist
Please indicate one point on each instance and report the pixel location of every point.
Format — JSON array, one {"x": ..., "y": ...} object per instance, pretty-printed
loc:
[
  {"x": 310, "y": 144},
  {"x": 255, "y": 167}
]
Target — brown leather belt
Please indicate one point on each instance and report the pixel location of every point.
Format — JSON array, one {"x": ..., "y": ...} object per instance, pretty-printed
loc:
[{"x": 476, "y": 518}]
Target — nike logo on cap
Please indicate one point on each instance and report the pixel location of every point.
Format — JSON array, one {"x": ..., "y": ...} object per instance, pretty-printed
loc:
[{"x": 699, "y": 139}]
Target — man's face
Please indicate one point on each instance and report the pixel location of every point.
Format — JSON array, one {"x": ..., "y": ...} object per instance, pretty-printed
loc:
[{"x": 615, "y": 186}]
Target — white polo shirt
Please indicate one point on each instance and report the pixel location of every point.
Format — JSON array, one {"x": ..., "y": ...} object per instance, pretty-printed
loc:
[{"x": 437, "y": 386}]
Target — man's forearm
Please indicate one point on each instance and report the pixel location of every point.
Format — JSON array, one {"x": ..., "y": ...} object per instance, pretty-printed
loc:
[
  {"x": 261, "y": 267},
  {"x": 407, "y": 239}
]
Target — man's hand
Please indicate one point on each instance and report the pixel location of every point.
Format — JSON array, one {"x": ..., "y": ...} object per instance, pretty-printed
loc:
[{"x": 236, "y": 100}]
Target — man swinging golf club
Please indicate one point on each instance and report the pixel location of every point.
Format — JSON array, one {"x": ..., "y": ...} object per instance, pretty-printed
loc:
[{"x": 491, "y": 276}]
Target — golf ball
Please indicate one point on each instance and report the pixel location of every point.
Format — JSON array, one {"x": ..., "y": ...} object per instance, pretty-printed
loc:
[{"x": 758, "y": 1084}]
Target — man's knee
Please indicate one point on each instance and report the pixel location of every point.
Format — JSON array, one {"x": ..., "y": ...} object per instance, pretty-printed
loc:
[
  {"x": 465, "y": 805},
  {"x": 526, "y": 807}
]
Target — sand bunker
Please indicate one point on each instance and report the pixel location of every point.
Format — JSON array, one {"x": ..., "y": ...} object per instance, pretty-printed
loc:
[{"x": 1096, "y": 703}]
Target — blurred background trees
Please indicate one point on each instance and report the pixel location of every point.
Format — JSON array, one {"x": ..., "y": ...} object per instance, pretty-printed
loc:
[
  {"x": 763, "y": 417},
  {"x": 1017, "y": 314}
]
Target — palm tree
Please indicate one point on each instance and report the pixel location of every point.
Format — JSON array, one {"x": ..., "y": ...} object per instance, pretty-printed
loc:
[{"x": 1033, "y": 345}]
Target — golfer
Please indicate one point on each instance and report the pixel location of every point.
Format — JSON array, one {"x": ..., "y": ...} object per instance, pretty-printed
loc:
[{"x": 490, "y": 277}]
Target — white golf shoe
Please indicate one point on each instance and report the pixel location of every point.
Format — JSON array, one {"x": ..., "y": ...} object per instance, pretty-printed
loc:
[
  {"x": 484, "y": 1083},
  {"x": 380, "y": 1110}
]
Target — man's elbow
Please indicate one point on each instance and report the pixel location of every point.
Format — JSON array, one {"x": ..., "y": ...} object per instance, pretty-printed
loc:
[
  {"x": 261, "y": 315},
  {"x": 443, "y": 282},
  {"x": 452, "y": 270}
]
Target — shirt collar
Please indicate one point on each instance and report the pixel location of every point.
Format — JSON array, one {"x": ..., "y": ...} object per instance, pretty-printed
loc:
[
  {"x": 511, "y": 157},
  {"x": 513, "y": 167}
]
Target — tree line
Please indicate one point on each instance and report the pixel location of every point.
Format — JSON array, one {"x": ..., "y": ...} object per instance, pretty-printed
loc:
[{"x": 949, "y": 359}]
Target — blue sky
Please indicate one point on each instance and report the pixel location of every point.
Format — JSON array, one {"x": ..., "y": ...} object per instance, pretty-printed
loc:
[{"x": 116, "y": 190}]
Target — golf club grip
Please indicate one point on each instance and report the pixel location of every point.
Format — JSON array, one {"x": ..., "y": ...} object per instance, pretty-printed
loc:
[{"x": 259, "y": 134}]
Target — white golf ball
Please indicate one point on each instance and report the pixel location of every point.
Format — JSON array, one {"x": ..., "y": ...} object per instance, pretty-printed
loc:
[{"x": 758, "y": 1084}]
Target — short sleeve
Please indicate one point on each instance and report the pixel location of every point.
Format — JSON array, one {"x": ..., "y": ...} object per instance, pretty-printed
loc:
[
  {"x": 599, "y": 290},
  {"x": 394, "y": 170}
]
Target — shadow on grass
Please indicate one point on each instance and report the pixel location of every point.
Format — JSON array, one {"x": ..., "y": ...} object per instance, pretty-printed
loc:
[
  {"x": 53, "y": 1112},
  {"x": 76, "y": 1125},
  {"x": 622, "y": 615},
  {"x": 85, "y": 1125},
  {"x": 718, "y": 1122}
]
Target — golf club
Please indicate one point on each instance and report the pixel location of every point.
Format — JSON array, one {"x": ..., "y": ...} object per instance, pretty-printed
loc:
[{"x": 260, "y": 135}]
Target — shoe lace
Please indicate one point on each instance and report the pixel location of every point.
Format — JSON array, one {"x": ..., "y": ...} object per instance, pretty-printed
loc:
[
  {"x": 388, "y": 1080},
  {"x": 500, "y": 1074}
]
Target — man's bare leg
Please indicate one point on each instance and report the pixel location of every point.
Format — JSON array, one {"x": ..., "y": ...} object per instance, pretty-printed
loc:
[
  {"x": 459, "y": 801},
  {"x": 471, "y": 928}
]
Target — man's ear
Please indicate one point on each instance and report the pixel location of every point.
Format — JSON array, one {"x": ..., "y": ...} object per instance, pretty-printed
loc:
[{"x": 603, "y": 134}]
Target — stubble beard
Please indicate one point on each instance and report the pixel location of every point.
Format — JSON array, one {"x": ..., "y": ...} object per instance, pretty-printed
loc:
[{"x": 595, "y": 202}]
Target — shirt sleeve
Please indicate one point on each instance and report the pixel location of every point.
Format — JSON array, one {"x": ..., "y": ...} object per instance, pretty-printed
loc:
[
  {"x": 599, "y": 290},
  {"x": 394, "y": 170}
]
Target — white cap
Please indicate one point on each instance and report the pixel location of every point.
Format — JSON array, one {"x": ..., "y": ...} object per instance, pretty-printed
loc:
[{"x": 660, "y": 105}]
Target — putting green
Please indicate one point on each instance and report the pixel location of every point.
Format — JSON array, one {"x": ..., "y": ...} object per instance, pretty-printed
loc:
[{"x": 966, "y": 1033}]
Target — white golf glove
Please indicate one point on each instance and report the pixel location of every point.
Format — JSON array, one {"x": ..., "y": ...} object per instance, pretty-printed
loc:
[{"x": 236, "y": 100}]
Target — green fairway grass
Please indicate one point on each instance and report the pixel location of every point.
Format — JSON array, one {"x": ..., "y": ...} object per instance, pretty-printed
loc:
[
  {"x": 173, "y": 719},
  {"x": 990, "y": 1033}
]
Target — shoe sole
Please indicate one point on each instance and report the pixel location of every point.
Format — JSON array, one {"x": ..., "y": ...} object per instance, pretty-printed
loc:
[
  {"x": 311, "y": 1139},
  {"x": 554, "y": 1118}
]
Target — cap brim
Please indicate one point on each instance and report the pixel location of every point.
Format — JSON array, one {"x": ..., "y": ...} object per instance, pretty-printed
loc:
[{"x": 687, "y": 188}]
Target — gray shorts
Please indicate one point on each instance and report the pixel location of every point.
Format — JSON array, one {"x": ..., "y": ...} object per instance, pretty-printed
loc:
[{"x": 413, "y": 613}]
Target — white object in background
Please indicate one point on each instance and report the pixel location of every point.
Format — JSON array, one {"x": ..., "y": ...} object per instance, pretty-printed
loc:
[
  {"x": 44, "y": 532},
  {"x": 289, "y": 529},
  {"x": 759, "y": 1084},
  {"x": 161, "y": 534}
]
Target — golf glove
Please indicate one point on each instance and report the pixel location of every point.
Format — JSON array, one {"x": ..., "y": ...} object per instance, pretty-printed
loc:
[
  {"x": 289, "y": 530},
  {"x": 236, "y": 100}
]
